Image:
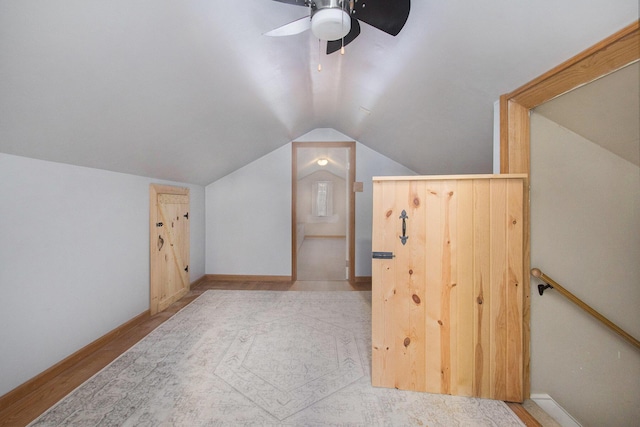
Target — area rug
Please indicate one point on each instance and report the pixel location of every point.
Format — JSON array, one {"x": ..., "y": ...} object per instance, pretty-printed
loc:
[{"x": 268, "y": 358}]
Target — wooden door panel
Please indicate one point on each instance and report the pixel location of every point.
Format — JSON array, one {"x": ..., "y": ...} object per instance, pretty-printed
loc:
[
  {"x": 447, "y": 310},
  {"x": 171, "y": 209},
  {"x": 169, "y": 279}
]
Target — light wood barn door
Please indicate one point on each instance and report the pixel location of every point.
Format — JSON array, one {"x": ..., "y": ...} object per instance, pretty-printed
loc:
[
  {"x": 448, "y": 303},
  {"x": 169, "y": 246}
]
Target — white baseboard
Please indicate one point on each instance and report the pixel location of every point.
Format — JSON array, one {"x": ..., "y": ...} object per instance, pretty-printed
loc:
[{"x": 554, "y": 410}]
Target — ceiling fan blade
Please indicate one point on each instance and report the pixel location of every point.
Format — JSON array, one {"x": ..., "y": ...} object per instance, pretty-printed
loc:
[
  {"x": 295, "y": 27},
  {"x": 385, "y": 15},
  {"x": 335, "y": 45},
  {"x": 294, "y": 2}
]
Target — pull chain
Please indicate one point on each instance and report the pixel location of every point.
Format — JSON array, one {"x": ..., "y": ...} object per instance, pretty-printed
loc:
[{"x": 342, "y": 47}]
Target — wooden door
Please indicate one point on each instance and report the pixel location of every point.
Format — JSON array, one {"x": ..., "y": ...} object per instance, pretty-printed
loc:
[
  {"x": 169, "y": 245},
  {"x": 448, "y": 303}
]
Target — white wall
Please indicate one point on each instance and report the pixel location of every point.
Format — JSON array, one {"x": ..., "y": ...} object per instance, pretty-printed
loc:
[
  {"x": 370, "y": 163},
  {"x": 248, "y": 215},
  {"x": 258, "y": 196},
  {"x": 74, "y": 259},
  {"x": 585, "y": 233}
]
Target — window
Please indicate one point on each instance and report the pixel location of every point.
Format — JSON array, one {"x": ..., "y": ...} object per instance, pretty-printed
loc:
[{"x": 322, "y": 199}]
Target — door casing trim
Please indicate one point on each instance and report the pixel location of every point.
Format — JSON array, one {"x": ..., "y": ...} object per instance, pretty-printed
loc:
[{"x": 351, "y": 223}]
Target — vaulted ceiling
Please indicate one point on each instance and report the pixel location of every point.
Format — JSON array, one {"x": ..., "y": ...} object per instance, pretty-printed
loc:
[
  {"x": 191, "y": 90},
  {"x": 605, "y": 111}
]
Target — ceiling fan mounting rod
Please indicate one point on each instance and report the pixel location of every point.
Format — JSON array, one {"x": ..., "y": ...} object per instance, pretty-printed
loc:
[{"x": 328, "y": 4}]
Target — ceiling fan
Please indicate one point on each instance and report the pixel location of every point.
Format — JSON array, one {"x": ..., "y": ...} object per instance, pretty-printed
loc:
[{"x": 337, "y": 20}]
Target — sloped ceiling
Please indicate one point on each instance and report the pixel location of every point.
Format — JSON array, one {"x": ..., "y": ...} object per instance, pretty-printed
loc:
[
  {"x": 191, "y": 90},
  {"x": 605, "y": 111}
]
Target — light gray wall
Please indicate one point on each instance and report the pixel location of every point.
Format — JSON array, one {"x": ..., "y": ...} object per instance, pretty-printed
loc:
[
  {"x": 74, "y": 259},
  {"x": 370, "y": 163},
  {"x": 585, "y": 234},
  {"x": 258, "y": 196},
  {"x": 248, "y": 218}
]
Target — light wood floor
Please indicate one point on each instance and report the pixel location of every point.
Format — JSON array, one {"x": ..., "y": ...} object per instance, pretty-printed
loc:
[
  {"x": 40, "y": 399},
  {"x": 322, "y": 258}
]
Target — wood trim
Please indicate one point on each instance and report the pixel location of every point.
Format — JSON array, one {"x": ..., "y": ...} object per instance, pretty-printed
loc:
[
  {"x": 352, "y": 213},
  {"x": 42, "y": 378},
  {"x": 524, "y": 415},
  {"x": 351, "y": 223},
  {"x": 245, "y": 278},
  {"x": 612, "y": 53},
  {"x": 447, "y": 177},
  {"x": 198, "y": 281},
  {"x": 294, "y": 211},
  {"x": 514, "y": 157},
  {"x": 314, "y": 236},
  {"x": 362, "y": 279}
]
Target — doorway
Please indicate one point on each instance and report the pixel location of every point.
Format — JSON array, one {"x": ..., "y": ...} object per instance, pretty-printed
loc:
[
  {"x": 168, "y": 245},
  {"x": 323, "y": 211}
]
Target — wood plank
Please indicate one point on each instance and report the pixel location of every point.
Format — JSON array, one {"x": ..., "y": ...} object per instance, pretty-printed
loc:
[
  {"x": 499, "y": 277},
  {"x": 463, "y": 292},
  {"x": 481, "y": 288},
  {"x": 382, "y": 286},
  {"x": 415, "y": 277},
  {"x": 170, "y": 199},
  {"x": 173, "y": 210},
  {"x": 514, "y": 140},
  {"x": 514, "y": 300},
  {"x": 246, "y": 278},
  {"x": 448, "y": 260},
  {"x": 399, "y": 328},
  {"x": 524, "y": 415},
  {"x": 446, "y": 177},
  {"x": 433, "y": 286}
]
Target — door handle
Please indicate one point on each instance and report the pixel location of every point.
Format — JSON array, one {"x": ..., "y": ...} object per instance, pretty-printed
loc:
[{"x": 404, "y": 236}]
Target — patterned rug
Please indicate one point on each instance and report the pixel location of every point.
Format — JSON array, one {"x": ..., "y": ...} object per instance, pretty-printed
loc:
[{"x": 240, "y": 358}]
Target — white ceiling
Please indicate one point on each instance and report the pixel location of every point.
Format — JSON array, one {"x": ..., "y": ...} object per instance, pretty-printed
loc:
[
  {"x": 307, "y": 161},
  {"x": 191, "y": 90},
  {"x": 605, "y": 111}
]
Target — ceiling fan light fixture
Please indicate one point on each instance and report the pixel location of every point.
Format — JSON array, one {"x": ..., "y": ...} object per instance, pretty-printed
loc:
[{"x": 330, "y": 24}]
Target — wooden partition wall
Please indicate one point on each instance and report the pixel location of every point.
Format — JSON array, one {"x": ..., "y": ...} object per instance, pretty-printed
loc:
[{"x": 447, "y": 298}]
